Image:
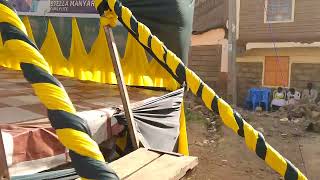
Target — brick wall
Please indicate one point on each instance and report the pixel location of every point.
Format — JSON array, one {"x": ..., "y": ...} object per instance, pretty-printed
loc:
[
  {"x": 249, "y": 75},
  {"x": 205, "y": 61},
  {"x": 302, "y": 73}
]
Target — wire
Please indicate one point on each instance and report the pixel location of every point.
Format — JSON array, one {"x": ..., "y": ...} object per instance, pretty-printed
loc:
[{"x": 278, "y": 67}]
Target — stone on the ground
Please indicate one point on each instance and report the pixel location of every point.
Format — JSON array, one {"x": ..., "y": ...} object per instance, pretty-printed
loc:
[
  {"x": 199, "y": 144},
  {"x": 260, "y": 129},
  {"x": 284, "y": 120},
  {"x": 258, "y": 109},
  {"x": 315, "y": 114}
]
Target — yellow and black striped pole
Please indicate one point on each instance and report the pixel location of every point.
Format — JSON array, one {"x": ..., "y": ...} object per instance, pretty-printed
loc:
[
  {"x": 254, "y": 139},
  {"x": 73, "y": 132}
]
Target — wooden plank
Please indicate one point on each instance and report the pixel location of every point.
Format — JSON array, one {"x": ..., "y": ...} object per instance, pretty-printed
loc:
[
  {"x": 4, "y": 171},
  {"x": 121, "y": 84},
  {"x": 133, "y": 162},
  {"x": 166, "y": 167}
]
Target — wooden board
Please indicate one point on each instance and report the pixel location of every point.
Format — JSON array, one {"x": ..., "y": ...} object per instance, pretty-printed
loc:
[
  {"x": 133, "y": 162},
  {"x": 166, "y": 167},
  {"x": 145, "y": 164},
  {"x": 4, "y": 171},
  {"x": 122, "y": 86}
]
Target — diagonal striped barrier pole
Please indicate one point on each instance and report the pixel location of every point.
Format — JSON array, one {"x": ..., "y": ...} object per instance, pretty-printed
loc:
[
  {"x": 254, "y": 139},
  {"x": 73, "y": 132}
]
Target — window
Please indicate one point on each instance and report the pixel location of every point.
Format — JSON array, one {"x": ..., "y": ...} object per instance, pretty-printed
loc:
[
  {"x": 276, "y": 71},
  {"x": 279, "y": 11}
]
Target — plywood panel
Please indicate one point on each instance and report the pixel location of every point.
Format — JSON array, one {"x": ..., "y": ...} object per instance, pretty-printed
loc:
[
  {"x": 132, "y": 162},
  {"x": 276, "y": 71},
  {"x": 166, "y": 167}
]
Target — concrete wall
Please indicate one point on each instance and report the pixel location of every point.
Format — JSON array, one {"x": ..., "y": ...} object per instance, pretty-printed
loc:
[
  {"x": 302, "y": 73},
  {"x": 249, "y": 75},
  {"x": 206, "y": 62}
]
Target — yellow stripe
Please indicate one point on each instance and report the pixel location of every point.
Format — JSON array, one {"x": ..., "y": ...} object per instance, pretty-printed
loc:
[
  {"x": 171, "y": 61},
  {"x": 144, "y": 33},
  {"x": 80, "y": 142},
  {"x": 126, "y": 16},
  {"x": 275, "y": 160},
  {"x": 227, "y": 116},
  {"x": 97, "y": 3},
  {"x": 301, "y": 176},
  {"x": 251, "y": 136},
  {"x": 194, "y": 81},
  {"x": 111, "y": 4},
  {"x": 24, "y": 52},
  {"x": 9, "y": 16},
  {"x": 53, "y": 97},
  {"x": 207, "y": 95},
  {"x": 157, "y": 47}
]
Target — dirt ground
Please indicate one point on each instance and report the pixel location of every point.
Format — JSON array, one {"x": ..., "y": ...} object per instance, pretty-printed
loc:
[{"x": 223, "y": 154}]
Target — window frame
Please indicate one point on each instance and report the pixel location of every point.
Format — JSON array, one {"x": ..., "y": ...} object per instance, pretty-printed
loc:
[{"x": 285, "y": 21}]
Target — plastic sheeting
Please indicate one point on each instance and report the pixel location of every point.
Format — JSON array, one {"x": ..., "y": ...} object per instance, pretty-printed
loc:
[{"x": 158, "y": 121}]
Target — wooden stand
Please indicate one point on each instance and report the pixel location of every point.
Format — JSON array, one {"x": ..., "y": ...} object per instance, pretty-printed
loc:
[
  {"x": 148, "y": 164},
  {"x": 4, "y": 171},
  {"x": 121, "y": 84}
]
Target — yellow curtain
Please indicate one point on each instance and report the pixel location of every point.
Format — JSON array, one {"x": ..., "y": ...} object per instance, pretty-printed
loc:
[
  {"x": 96, "y": 65},
  {"x": 52, "y": 53},
  {"x": 26, "y": 23},
  {"x": 135, "y": 64},
  {"x": 183, "y": 147},
  {"x": 78, "y": 55}
]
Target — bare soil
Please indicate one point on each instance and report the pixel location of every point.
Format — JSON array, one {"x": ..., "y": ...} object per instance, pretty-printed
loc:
[{"x": 224, "y": 155}]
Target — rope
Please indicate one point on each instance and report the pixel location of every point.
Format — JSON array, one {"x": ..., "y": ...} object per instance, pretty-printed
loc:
[
  {"x": 254, "y": 139},
  {"x": 72, "y": 131},
  {"x": 278, "y": 67}
]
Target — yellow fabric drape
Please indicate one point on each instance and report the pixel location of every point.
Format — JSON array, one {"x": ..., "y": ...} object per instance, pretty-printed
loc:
[
  {"x": 101, "y": 59},
  {"x": 96, "y": 65},
  {"x": 135, "y": 64},
  {"x": 26, "y": 23},
  {"x": 183, "y": 147},
  {"x": 52, "y": 52}
]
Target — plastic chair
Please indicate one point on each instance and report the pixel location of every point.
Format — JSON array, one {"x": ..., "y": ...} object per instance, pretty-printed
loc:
[
  {"x": 248, "y": 100},
  {"x": 255, "y": 99},
  {"x": 265, "y": 97}
]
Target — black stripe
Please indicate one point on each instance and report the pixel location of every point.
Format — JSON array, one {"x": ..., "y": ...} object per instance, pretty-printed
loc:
[
  {"x": 34, "y": 74},
  {"x": 10, "y": 32},
  {"x": 134, "y": 25},
  {"x": 61, "y": 120},
  {"x": 89, "y": 168},
  {"x": 118, "y": 9},
  {"x": 199, "y": 92},
  {"x": 291, "y": 172},
  {"x": 214, "y": 104},
  {"x": 181, "y": 72},
  {"x": 165, "y": 55},
  {"x": 103, "y": 6},
  {"x": 149, "y": 41},
  {"x": 239, "y": 121},
  {"x": 261, "y": 148},
  {"x": 7, "y": 4}
]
